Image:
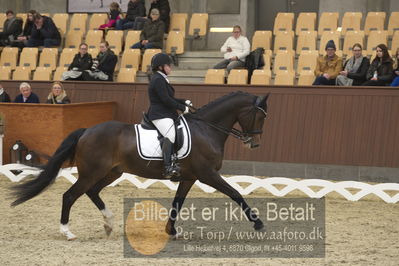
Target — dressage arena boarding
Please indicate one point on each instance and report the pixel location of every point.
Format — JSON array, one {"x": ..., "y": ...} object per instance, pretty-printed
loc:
[{"x": 361, "y": 221}]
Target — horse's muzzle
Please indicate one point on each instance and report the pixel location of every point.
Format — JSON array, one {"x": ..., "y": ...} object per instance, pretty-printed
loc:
[{"x": 252, "y": 142}]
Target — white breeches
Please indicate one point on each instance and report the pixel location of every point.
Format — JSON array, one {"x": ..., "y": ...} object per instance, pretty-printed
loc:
[{"x": 166, "y": 127}]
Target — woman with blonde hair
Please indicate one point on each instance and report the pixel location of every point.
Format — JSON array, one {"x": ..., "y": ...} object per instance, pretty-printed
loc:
[
  {"x": 57, "y": 94},
  {"x": 395, "y": 82}
]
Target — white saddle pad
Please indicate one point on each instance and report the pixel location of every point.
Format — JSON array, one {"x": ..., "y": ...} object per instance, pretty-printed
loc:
[{"x": 149, "y": 147}]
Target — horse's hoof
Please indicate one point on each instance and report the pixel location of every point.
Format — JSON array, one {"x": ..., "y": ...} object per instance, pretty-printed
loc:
[
  {"x": 259, "y": 226},
  {"x": 108, "y": 229},
  {"x": 71, "y": 238}
]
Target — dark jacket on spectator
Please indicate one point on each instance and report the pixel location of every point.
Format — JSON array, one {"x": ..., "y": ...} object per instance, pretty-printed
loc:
[
  {"x": 47, "y": 31},
  {"x": 164, "y": 10},
  {"x": 31, "y": 99},
  {"x": 114, "y": 14},
  {"x": 135, "y": 9},
  {"x": 4, "y": 98},
  {"x": 153, "y": 32},
  {"x": 82, "y": 63},
  {"x": 107, "y": 63},
  {"x": 360, "y": 76},
  {"x": 11, "y": 29},
  {"x": 64, "y": 100},
  {"x": 28, "y": 28},
  {"x": 384, "y": 70}
]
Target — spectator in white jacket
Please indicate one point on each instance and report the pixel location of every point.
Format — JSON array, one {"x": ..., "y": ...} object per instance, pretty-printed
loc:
[{"x": 235, "y": 49}]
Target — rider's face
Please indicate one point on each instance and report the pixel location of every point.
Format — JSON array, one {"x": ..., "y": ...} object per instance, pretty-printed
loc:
[{"x": 167, "y": 69}]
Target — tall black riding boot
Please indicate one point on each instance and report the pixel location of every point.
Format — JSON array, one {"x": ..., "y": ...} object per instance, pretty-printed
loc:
[{"x": 171, "y": 170}]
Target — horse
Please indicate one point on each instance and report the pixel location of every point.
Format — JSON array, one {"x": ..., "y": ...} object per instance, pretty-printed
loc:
[{"x": 102, "y": 153}]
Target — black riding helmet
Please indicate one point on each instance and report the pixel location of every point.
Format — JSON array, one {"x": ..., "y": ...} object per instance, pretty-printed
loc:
[{"x": 160, "y": 60}]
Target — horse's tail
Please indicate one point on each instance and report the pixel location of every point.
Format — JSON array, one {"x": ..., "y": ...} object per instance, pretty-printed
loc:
[{"x": 34, "y": 187}]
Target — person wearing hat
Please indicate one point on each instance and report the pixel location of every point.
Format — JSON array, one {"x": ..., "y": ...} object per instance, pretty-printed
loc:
[
  {"x": 163, "y": 109},
  {"x": 151, "y": 36},
  {"x": 328, "y": 66}
]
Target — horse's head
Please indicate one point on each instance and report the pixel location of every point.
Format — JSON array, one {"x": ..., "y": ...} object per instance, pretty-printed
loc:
[{"x": 251, "y": 121}]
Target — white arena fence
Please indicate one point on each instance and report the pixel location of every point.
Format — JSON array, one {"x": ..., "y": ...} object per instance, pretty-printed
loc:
[{"x": 269, "y": 184}]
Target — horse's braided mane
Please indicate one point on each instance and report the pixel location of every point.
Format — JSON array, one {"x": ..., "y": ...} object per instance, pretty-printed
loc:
[{"x": 222, "y": 99}]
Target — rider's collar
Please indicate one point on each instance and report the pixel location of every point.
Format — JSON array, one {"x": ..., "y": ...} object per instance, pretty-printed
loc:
[{"x": 163, "y": 75}]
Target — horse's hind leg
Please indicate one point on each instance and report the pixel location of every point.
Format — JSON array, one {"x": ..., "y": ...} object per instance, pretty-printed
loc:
[{"x": 93, "y": 194}]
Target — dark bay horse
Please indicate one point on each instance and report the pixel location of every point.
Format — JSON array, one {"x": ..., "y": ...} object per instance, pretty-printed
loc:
[{"x": 103, "y": 152}]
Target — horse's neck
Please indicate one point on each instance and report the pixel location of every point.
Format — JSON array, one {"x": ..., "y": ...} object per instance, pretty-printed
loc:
[{"x": 225, "y": 117}]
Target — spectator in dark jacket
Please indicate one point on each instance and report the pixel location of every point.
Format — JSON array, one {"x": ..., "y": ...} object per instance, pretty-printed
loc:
[
  {"x": 395, "y": 82},
  {"x": 114, "y": 16},
  {"x": 380, "y": 72},
  {"x": 135, "y": 9},
  {"x": 81, "y": 62},
  {"x": 103, "y": 65},
  {"x": 22, "y": 40},
  {"x": 4, "y": 98},
  {"x": 152, "y": 34},
  {"x": 11, "y": 29},
  {"x": 26, "y": 96},
  {"x": 355, "y": 68},
  {"x": 164, "y": 9},
  {"x": 44, "y": 32}
]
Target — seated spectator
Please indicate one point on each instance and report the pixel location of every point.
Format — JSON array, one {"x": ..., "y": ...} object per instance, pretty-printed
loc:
[
  {"x": 44, "y": 32},
  {"x": 11, "y": 29},
  {"x": 328, "y": 66},
  {"x": 164, "y": 9},
  {"x": 152, "y": 34},
  {"x": 4, "y": 98},
  {"x": 103, "y": 65},
  {"x": 355, "y": 68},
  {"x": 395, "y": 82},
  {"x": 81, "y": 62},
  {"x": 135, "y": 9},
  {"x": 22, "y": 40},
  {"x": 57, "y": 94},
  {"x": 380, "y": 72},
  {"x": 235, "y": 49},
  {"x": 113, "y": 16},
  {"x": 26, "y": 95}
]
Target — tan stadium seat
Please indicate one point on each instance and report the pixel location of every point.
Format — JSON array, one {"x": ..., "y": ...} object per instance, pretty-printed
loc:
[
  {"x": 374, "y": 22},
  {"x": 132, "y": 37},
  {"x": 148, "y": 54},
  {"x": 375, "y": 38},
  {"x": 61, "y": 21},
  {"x": 175, "y": 42},
  {"x": 267, "y": 58},
  {"x": 284, "y": 41},
  {"x": 307, "y": 60},
  {"x": 283, "y": 22},
  {"x": 93, "y": 52},
  {"x": 3, "y": 18},
  {"x": 284, "y": 78},
  {"x": 5, "y": 73},
  {"x": 131, "y": 58},
  {"x": 351, "y": 22},
  {"x": 198, "y": 24},
  {"x": 48, "y": 58},
  {"x": 238, "y": 76},
  {"x": 115, "y": 39},
  {"x": 23, "y": 16},
  {"x": 306, "y": 77},
  {"x": 395, "y": 42},
  {"x": 328, "y": 22},
  {"x": 78, "y": 22},
  {"x": 58, "y": 73},
  {"x": 262, "y": 39},
  {"x": 42, "y": 73},
  {"x": 306, "y": 41},
  {"x": 73, "y": 39},
  {"x": 325, "y": 37},
  {"x": 215, "y": 76},
  {"x": 93, "y": 38},
  {"x": 305, "y": 22},
  {"x": 284, "y": 61},
  {"x": 178, "y": 22},
  {"x": 9, "y": 57},
  {"x": 28, "y": 58},
  {"x": 352, "y": 37},
  {"x": 393, "y": 24},
  {"x": 126, "y": 75},
  {"x": 45, "y": 14},
  {"x": 21, "y": 73},
  {"x": 96, "y": 20},
  {"x": 261, "y": 77},
  {"x": 67, "y": 56}
]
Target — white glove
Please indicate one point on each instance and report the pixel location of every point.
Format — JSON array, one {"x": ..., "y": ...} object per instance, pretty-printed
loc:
[
  {"x": 188, "y": 103},
  {"x": 187, "y": 110}
]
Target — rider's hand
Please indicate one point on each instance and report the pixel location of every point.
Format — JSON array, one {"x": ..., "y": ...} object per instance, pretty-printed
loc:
[
  {"x": 188, "y": 103},
  {"x": 187, "y": 110}
]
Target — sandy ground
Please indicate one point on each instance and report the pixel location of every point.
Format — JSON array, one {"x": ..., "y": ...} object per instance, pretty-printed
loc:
[{"x": 357, "y": 233}]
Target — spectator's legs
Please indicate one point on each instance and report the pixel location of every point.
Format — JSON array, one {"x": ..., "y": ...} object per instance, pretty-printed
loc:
[
  {"x": 395, "y": 82},
  {"x": 137, "y": 45},
  {"x": 374, "y": 83},
  {"x": 34, "y": 43},
  {"x": 321, "y": 80},
  {"x": 51, "y": 42},
  {"x": 234, "y": 64},
  {"x": 119, "y": 24},
  {"x": 223, "y": 64},
  {"x": 128, "y": 25},
  {"x": 149, "y": 46}
]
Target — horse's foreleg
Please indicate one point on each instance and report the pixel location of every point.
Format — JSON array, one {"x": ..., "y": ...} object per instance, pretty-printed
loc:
[
  {"x": 217, "y": 182},
  {"x": 178, "y": 201}
]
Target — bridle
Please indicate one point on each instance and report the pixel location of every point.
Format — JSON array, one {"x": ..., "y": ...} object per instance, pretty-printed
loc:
[{"x": 236, "y": 133}]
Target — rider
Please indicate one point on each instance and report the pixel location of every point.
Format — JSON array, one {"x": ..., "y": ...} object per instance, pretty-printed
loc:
[{"x": 163, "y": 109}]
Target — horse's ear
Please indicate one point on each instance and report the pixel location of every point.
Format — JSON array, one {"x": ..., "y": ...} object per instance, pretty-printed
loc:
[{"x": 263, "y": 101}]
